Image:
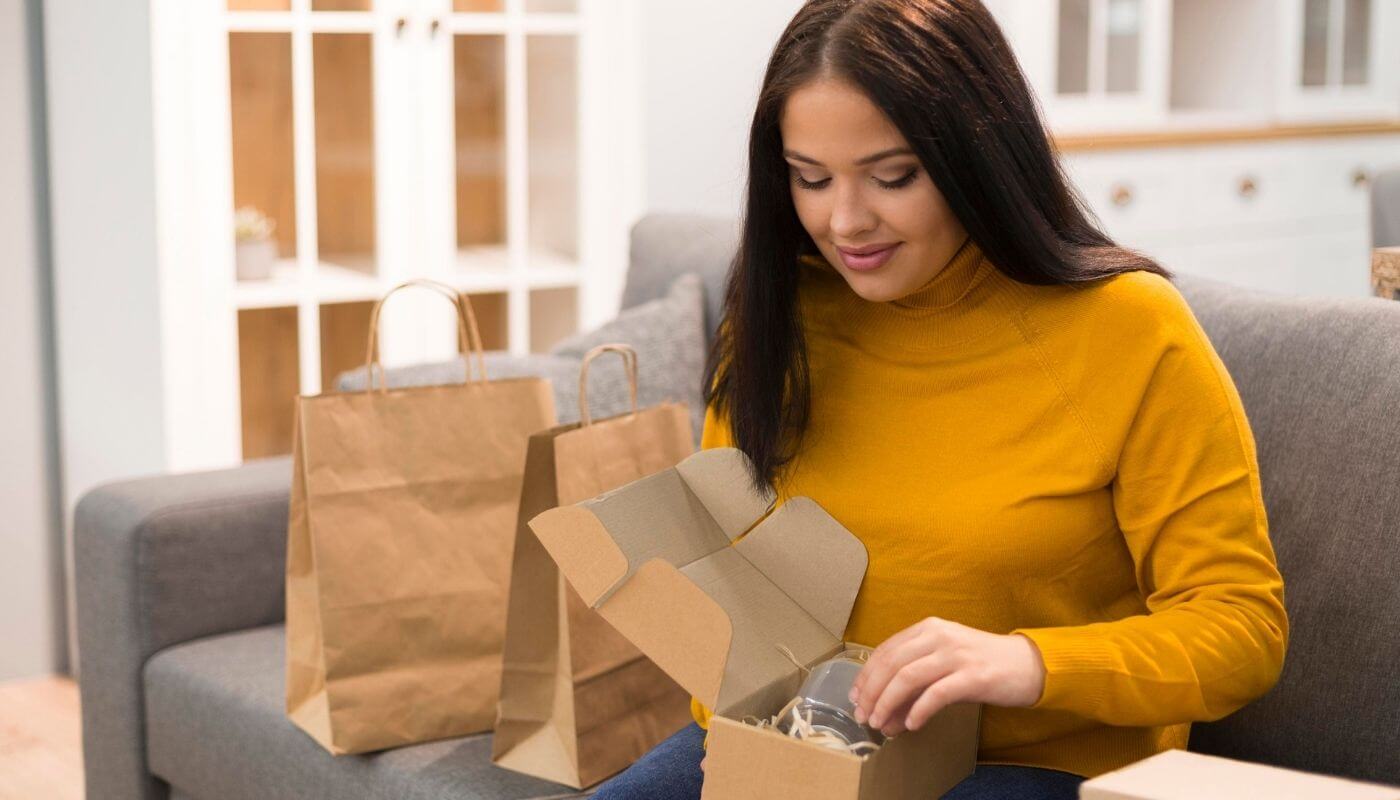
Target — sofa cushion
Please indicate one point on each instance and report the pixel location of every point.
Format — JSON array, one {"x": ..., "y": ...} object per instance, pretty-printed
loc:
[
  {"x": 215, "y": 729},
  {"x": 668, "y": 335},
  {"x": 667, "y": 332},
  {"x": 499, "y": 364}
]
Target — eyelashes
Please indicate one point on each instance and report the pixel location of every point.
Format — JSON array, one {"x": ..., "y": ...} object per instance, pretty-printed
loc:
[
  {"x": 901, "y": 182},
  {"x": 897, "y": 183}
]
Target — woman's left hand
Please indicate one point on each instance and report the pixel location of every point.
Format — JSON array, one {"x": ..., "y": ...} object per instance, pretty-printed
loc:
[{"x": 934, "y": 663}]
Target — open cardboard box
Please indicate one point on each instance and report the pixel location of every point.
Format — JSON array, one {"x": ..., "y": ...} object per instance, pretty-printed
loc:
[{"x": 654, "y": 557}]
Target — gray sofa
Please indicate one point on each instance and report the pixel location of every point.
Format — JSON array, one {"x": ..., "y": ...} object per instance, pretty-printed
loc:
[{"x": 180, "y": 593}]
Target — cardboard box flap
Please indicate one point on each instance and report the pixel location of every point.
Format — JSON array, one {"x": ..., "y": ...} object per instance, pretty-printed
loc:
[
  {"x": 639, "y": 553},
  {"x": 719, "y": 479},
  {"x": 763, "y": 620},
  {"x": 826, "y": 578}
]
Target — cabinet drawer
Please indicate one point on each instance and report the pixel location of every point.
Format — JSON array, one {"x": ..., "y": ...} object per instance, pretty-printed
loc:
[
  {"x": 1338, "y": 175},
  {"x": 1129, "y": 193},
  {"x": 1244, "y": 189}
]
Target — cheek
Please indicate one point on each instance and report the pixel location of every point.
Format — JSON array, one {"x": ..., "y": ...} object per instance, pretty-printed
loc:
[
  {"x": 918, "y": 215},
  {"x": 811, "y": 212}
]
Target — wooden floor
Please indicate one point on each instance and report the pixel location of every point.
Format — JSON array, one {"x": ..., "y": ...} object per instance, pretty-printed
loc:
[{"x": 41, "y": 754}]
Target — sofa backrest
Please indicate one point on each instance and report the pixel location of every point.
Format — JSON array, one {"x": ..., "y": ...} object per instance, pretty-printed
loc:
[
  {"x": 665, "y": 246},
  {"x": 1320, "y": 381}
]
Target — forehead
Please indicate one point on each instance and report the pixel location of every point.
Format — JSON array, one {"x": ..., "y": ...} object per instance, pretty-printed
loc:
[{"x": 833, "y": 121}]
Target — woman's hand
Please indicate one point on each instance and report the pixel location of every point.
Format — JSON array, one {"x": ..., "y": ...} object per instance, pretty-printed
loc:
[{"x": 934, "y": 663}]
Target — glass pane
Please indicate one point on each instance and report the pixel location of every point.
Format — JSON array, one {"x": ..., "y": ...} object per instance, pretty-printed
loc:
[
  {"x": 553, "y": 317},
  {"x": 1124, "y": 45},
  {"x": 1356, "y": 49},
  {"x": 468, "y": 6},
  {"x": 269, "y": 379},
  {"x": 479, "y": 68},
  {"x": 340, "y": 5},
  {"x": 260, "y": 104},
  {"x": 1073, "y": 47},
  {"x": 343, "y": 75},
  {"x": 552, "y": 6},
  {"x": 1315, "y": 24},
  {"x": 344, "y": 336},
  {"x": 259, "y": 5},
  {"x": 552, "y": 108}
]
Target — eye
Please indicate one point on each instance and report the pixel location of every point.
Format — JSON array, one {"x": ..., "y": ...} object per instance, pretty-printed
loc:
[
  {"x": 900, "y": 182},
  {"x": 806, "y": 184}
]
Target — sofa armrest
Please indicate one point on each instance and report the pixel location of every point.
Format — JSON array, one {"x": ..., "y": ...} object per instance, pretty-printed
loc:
[{"x": 158, "y": 561}]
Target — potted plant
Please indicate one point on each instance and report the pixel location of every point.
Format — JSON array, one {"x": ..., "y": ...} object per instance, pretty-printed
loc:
[{"x": 255, "y": 251}]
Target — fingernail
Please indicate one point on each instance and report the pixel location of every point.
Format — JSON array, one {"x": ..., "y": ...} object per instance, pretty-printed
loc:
[
  {"x": 853, "y": 695},
  {"x": 860, "y": 715}
]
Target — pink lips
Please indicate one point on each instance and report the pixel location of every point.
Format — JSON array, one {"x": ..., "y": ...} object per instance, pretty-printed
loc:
[{"x": 871, "y": 257}]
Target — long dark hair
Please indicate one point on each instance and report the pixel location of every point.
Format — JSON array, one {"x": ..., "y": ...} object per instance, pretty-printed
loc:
[{"x": 943, "y": 73}]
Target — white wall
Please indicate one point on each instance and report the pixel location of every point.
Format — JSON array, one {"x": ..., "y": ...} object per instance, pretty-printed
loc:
[
  {"x": 703, "y": 64},
  {"x": 31, "y": 617},
  {"x": 97, "y": 59}
]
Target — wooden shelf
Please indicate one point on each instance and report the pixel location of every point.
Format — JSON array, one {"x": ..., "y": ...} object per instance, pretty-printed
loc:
[
  {"x": 344, "y": 280},
  {"x": 1082, "y": 142}
]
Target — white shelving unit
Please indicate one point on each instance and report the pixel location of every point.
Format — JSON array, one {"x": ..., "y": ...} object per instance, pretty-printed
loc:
[
  {"x": 468, "y": 141},
  {"x": 1231, "y": 138},
  {"x": 1104, "y": 66}
]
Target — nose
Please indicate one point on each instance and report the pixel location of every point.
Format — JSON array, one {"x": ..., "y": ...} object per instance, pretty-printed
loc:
[{"x": 851, "y": 216}]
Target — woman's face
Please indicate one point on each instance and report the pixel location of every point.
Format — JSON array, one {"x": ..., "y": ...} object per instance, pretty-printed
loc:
[{"x": 862, "y": 194}]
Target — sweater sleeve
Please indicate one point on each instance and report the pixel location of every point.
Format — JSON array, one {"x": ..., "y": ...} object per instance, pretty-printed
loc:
[{"x": 1188, "y": 501}]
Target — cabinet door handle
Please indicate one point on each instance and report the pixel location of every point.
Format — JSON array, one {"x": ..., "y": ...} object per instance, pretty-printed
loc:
[
  {"x": 1360, "y": 178},
  {"x": 1249, "y": 186},
  {"x": 400, "y": 25},
  {"x": 1121, "y": 195},
  {"x": 434, "y": 27}
]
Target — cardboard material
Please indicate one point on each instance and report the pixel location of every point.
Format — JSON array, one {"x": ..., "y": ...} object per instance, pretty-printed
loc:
[
  {"x": 399, "y": 536},
  {"x": 578, "y": 702},
  {"x": 713, "y": 584},
  {"x": 1179, "y": 775}
]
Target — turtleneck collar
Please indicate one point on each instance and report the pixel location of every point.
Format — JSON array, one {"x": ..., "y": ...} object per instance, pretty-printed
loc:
[
  {"x": 950, "y": 284},
  {"x": 961, "y": 302}
]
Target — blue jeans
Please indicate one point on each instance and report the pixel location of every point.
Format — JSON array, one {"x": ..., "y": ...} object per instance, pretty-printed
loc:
[{"x": 671, "y": 771}]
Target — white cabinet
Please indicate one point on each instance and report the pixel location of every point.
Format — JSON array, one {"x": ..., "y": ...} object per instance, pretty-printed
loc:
[
  {"x": 1095, "y": 64},
  {"x": 1234, "y": 138},
  {"x": 1109, "y": 65},
  {"x": 1287, "y": 215},
  {"x": 469, "y": 141},
  {"x": 1338, "y": 58}
]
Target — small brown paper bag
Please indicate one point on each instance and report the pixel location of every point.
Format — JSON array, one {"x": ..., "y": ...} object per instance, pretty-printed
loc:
[
  {"x": 399, "y": 535},
  {"x": 578, "y": 702}
]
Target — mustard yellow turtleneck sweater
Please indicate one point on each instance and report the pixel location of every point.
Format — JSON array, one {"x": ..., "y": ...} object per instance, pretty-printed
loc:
[{"x": 1069, "y": 463}]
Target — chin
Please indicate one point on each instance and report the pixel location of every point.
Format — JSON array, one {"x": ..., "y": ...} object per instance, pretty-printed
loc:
[{"x": 873, "y": 291}]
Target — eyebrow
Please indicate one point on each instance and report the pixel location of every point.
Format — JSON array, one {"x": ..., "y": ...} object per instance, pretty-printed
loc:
[{"x": 870, "y": 159}]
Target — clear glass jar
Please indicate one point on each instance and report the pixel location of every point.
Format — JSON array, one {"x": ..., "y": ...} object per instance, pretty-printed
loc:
[{"x": 824, "y": 701}]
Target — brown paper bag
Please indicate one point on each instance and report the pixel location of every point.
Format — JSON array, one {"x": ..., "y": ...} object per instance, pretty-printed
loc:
[
  {"x": 578, "y": 701},
  {"x": 399, "y": 535}
]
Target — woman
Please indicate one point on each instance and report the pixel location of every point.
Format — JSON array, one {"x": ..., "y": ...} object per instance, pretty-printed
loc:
[{"x": 1047, "y": 462}]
